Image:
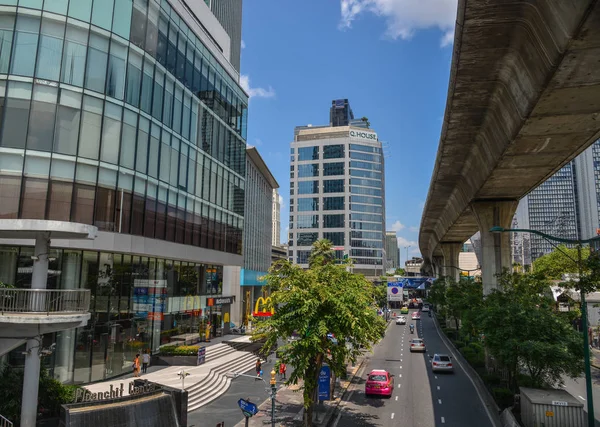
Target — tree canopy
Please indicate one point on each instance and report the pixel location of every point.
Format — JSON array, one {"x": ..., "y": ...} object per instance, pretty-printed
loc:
[
  {"x": 560, "y": 261},
  {"x": 324, "y": 299}
]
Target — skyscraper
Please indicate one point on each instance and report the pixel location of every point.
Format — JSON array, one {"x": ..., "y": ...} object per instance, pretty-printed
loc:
[
  {"x": 391, "y": 251},
  {"x": 337, "y": 192},
  {"x": 276, "y": 219},
  {"x": 229, "y": 14},
  {"x": 340, "y": 113}
]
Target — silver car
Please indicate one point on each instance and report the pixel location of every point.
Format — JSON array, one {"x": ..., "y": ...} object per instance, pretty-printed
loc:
[
  {"x": 441, "y": 363},
  {"x": 417, "y": 344},
  {"x": 401, "y": 320}
]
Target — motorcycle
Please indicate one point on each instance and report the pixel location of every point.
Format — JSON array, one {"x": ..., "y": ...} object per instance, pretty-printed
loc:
[{"x": 412, "y": 329}]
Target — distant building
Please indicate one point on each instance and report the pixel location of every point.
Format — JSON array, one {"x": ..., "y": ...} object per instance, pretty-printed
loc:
[
  {"x": 278, "y": 252},
  {"x": 340, "y": 113},
  {"x": 391, "y": 251},
  {"x": 229, "y": 15},
  {"x": 412, "y": 267},
  {"x": 276, "y": 219}
]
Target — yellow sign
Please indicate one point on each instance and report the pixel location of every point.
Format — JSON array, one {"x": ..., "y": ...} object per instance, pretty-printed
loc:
[
  {"x": 261, "y": 309},
  {"x": 549, "y": 413},
  {"x": 226, "y": 317}
]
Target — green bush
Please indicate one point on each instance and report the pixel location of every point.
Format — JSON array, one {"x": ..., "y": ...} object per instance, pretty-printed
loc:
[
  {"x": 182, "y": 350},
  {"x": 492, "y": 380},
  {"x": 459, "y": 344},
  {"x": 476, "y": 359},
  {"x": 504, "y": 397}
]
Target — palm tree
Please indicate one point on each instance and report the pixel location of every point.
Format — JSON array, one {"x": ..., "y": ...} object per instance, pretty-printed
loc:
[{"x": 321, "y": 253}]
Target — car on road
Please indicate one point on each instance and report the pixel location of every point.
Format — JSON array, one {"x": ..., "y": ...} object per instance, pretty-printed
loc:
[
  {"x": 441, "y": 363},
  {"x": 425, "y": 308},
  {"x": 417, "y": 344},
  {"x": 400, "y": 320},
  {"x": 404, "y": 310},
  {"x": 379, "y": 382},
  {"x": 416, "y": 316}
]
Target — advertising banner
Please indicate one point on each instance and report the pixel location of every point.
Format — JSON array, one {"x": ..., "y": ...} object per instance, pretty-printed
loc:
[{"x": 324, "y": 383}]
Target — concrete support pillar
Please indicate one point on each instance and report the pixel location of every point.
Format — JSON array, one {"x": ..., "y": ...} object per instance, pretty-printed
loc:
[
  {"x": 438, "y": 266},
  {"x": 31, "y": 379},
  {"x": 451, "y": 251},
  {"x": 495, "y": 247}
]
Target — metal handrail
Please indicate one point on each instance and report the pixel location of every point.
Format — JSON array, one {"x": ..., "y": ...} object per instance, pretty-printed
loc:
[
  {"x": 44, "y": 301},
  {"x": 5, "y": 422}
]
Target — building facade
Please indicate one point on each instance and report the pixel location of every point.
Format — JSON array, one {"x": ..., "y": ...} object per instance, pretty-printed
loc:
[
  {"x": 276, "y": 215},
  {"x": 392, "y": 254},
  {"x": 340, "y": 113},
  {"x": 229, "y": 14},
  {"x": 260, "y": 185},
  {"x": 128, "y": 117},
  {"x": 337, "y": 192}
]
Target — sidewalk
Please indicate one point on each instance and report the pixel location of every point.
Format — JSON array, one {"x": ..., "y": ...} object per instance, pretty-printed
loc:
[
  {"x": 289, "y": 408},
  {"x": 595, "y": 357}
]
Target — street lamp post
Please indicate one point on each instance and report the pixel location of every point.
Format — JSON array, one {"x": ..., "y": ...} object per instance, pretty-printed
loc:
[
  {"x": 584, "y": 320},
  {"x": 406, "y": 247},
  {"x": 273, "y": 395}
]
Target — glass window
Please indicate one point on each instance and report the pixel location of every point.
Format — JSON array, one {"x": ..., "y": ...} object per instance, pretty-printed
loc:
[
  {"x": 80, "y": 9},
  {"x": 7, "y": 23},
  {"x": 91, "y": 124},
  {"x": 122, "y": 18},
  {"x": 161, "y": 45},
  {"x": 141, "y": 162},
  {"x": 111, "y": 133},
  {"x": 115, "y": 85},
  {"x": 362, "y": 190},
  {"x": 333, "y": 203},
  {"x": 34, "y": 4},
  {"x": 59, "y": 200},
  {"x": 308, "y": 153},
  {"x": 334, "y": 221},
  {"x": 147, "y": 84},
  {"x": 365, "y": 182},
  {"x": 308, "y": 170},
  {"x": 365, "y": 226},
  {"x": 365, "y": 165},
  {"x": 177, "y": 110},
  {"x": 308, "y": 204},
  {"x": 34, "y": 198},
  {"x": 366, "y": 199},
  {"x": 185, "y": 122},
  {"x": 96, "y": 64},
  {"x": 50, "y": 52},
  {"x": 134, "y": 79},
  {"x": 17, "y": 114},
  {"x": 42, "y": 118},
  {"x": 153, "y": 151},
  {"x": 333, "y": 186},
  {"x": 73, "y": 62},
  {"x": 308, "y": 187},
  {"x": 365, "y": 174},
  {"x": 152, "y": 28},
  {"x": 364, "y": 156},
  {"x": 333, "y": 151},
  {"x": 157, "y": 104},
  {"x": 308, "y": 221},
  {"x": 337, "y": 238},
  {"x": 56, "y": 6},
  {"x": 66, "y": 129},
  {"x": 102, "y": 13},
  {"x": 128, "y": 139},
  {"x": 365, "y": 148},
  {"x": 168, "y": 102},
  {"x": 25, "y": 47},
  {"x": 330, "y": 169},
  {"x": 306, "y": 239}
]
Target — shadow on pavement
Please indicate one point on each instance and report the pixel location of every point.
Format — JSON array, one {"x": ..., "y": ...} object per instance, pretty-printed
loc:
[{"x": 360, "y": 419}]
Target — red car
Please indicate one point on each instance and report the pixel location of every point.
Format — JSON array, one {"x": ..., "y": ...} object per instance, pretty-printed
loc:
[
  {"x": 379, "y": 382},
  {"x": 416, "y": 316}
]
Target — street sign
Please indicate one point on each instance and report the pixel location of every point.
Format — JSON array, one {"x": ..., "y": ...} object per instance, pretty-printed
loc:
[
  {"x": 247, "y": 407},
  {"x": 324, "y": 383},
  {"x": 201, "y": 355}
]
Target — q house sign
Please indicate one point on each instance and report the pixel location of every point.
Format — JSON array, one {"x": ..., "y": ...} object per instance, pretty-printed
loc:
[{"x": 363, "y": 135}]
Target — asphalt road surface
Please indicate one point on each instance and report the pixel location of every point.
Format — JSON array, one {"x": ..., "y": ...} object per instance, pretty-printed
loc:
[{"x": 421, "y": 398}]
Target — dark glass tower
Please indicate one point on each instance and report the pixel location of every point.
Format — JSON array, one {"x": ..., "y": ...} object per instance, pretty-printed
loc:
[{"x": 340, "y": 113}]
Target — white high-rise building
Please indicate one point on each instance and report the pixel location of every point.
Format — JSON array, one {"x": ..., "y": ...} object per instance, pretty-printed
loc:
[
  {"x": 276, "y": 214},
  {"x": 337, "y": 192}
]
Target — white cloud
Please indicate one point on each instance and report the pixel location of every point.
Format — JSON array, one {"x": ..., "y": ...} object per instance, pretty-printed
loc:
[
  {"x": 255, "y": 92},
  {"x": 414, "y": 229},
  {"x": 404, "y": 242},
  {"x": 397, "y": 226},
  {"x": 405, "y": 17},
  {"x": 281, "y": 202},
  {"x": 243, "y": 44}
]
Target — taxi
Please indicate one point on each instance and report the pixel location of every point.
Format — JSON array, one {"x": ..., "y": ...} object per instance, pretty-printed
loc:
[{"x": 379, "y": 382}]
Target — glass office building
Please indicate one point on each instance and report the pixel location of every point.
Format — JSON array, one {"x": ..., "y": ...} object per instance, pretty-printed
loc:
[{"x": 126, "y": 115}]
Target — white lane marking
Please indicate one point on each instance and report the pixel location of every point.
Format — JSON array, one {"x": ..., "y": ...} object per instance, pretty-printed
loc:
[
  {"x": 400, "y": 360},
  {"x": 396, "y": 398},
  {"x": 438, "y": 387},
  {"x": 399, "y": 385},
  {"x": 443, "y": 420},
  {"x": 400, "y": 367},
  {"x": 582, "y": 398},
  {"x": 392, "y": 415},
  {"x": 468, "y": 376},
  {"x": 400, "y": 375},
  {"x": 440, "y": 401}
]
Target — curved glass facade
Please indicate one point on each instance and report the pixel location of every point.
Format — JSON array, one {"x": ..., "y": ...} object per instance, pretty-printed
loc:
[{"x": 113, "y": 113}]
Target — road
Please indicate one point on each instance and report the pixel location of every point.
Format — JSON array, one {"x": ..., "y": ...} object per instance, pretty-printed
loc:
[
  {"x": 421, "y": 398},
  {"x": 577, "y": 389}
]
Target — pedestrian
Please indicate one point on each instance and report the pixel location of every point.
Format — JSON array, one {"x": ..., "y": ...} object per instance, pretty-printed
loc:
[
  {"x": 282, "y": 369},
  {"x": 258, "y": 369},
  {"x": 136, "y": 365},
  {"x": 145, "y": 361}
]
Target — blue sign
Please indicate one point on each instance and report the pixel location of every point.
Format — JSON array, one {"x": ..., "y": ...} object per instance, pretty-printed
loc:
[
  {"x": 248, "y": 408},
  {"x": 324, "y": 383},
  {"x": 201, "y": 355}
]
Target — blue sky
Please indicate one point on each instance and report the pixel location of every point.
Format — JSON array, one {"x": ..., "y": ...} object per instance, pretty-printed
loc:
[{"x": 390, "y": 58}]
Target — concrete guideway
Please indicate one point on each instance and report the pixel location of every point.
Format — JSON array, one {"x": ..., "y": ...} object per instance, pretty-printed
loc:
[{"x": 523, "y": 100}]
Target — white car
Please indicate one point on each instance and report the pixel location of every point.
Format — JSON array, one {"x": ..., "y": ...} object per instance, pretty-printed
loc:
[
  {"x": 417, "y": 344},
  {"x": 441, "y": 363},
  {"x": 401, "y": 320},
  {"x": 425, "y": 308}
]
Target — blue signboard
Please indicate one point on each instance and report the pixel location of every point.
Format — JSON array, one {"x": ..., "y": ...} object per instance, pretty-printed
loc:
[
  {"x": 248, "y": 408},
  {"x": 324, "y": 383},
  {"x": 201, "y": 355}
]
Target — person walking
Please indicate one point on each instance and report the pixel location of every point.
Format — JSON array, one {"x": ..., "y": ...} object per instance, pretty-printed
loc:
[
  {"x": 136, "y": 365},
  {"x": 145, "y": 361},
  {"x": 258, "y": 369},
  {"x": 282, "y": 369}
]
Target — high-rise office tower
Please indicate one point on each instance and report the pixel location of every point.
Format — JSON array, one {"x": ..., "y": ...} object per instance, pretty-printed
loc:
[
  {"x": 276, "y": 233},
  {"x": 392, "y": 254},
  {"x": 229, "y": 14},
  {"x": 340, "y": 113},
  {"x": 337, "y": 192}
]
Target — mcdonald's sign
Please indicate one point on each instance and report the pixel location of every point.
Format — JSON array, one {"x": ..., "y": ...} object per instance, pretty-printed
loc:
[{"x": 261, "y": 309}]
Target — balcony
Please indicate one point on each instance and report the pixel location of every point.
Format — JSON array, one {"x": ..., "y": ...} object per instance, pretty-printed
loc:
[{"x": 44, "y": 301}]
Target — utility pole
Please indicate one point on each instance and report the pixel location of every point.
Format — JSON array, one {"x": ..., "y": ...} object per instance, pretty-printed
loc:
[
  {"x": 273, "y": 395},
  {"x": 586, "y": 344}
]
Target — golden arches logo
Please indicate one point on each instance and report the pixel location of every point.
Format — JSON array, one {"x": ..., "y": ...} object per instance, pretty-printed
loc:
[{"x": 261, "y": 308}]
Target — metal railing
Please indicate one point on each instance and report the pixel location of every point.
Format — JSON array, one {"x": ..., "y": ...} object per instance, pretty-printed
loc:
[
  {"x": 44, "y": 301},
  {"x": 4, "y": 422}
]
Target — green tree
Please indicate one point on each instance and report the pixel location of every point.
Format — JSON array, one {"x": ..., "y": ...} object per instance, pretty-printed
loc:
[
  {"x": 366, "y": 120},
  {"x": 522, "y": 329},
  {"x": 380, "y": 295},
  {"x": 321, "y": 253},
  {"x": 462, "y": 300},
  {"x": 324, "y": 299},
  {"x": 560, "y": 261},
  {"x": 400, "y": 272}
]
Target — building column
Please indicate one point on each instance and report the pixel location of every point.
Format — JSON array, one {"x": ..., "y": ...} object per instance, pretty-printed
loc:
[
  {"x": 31, "y": 379},
  {"x": 495, "y": 247},
  {"x": 451, "y": 251}
]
